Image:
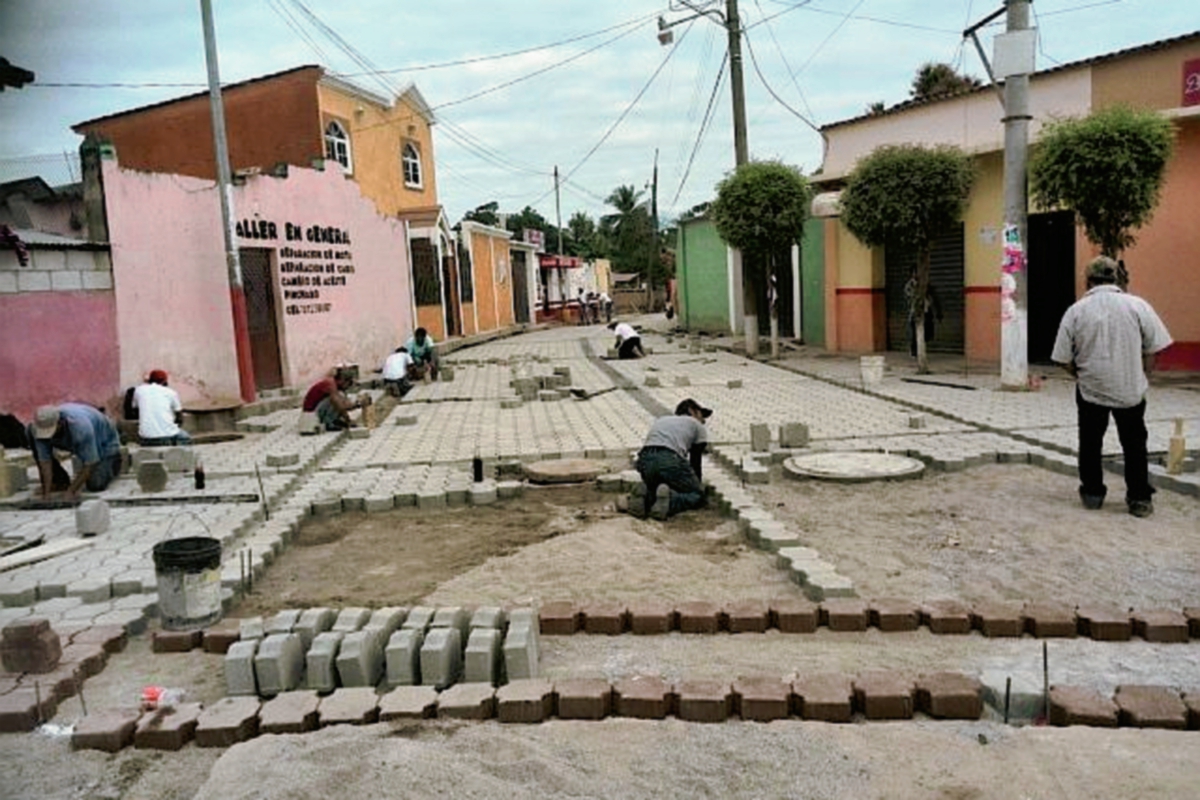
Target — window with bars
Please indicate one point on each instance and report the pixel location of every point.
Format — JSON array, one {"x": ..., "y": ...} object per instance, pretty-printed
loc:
[
  {"x": 337, "y": 145},
  {"x": 426, "y": 286},
  {"x": 466, "y": 273},
  {"x": 410, "y": 161}
]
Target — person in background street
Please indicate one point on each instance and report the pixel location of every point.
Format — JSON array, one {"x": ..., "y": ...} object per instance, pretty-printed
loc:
[
  {"x": 606, "y": 303},
  {"x": 629, "y": 343},
  {"x": 930, "y": 310},
  {"x": 1107, "y": 341},
  {"x": 159, "y": 413},
  {"x": 327, "y": 398},
  {"x": 671, "y": 458},
  {"x": 86, "y": 434},
  {"x": 421, "y": 348},
  {"x": 395, "y": 373},
  {"x": 583, "y": 307}
]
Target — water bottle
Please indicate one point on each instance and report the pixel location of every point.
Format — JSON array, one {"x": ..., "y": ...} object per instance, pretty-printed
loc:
[{"x": 199, "y": 475}]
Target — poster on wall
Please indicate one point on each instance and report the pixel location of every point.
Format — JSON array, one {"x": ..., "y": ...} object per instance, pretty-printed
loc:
[{"x": 315, "y": 263}]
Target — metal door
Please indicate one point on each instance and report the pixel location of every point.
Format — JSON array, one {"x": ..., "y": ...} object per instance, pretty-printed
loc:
[
  {"x": 1051, "y": 278},
  {"x": 260, "y": 317},
  {"x": 946, "y": 278},
  {"x": 520, "y": 284}
]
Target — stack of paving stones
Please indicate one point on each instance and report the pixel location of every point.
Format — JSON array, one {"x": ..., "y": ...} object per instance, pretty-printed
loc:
[{"x": 376, "y": 489}]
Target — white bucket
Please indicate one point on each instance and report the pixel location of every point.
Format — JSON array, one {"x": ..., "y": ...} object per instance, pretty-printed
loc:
[{"x": 872, "y": 370}]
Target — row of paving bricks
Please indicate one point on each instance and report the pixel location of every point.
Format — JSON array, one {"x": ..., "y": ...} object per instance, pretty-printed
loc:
[{"x": 798, "y": 615}]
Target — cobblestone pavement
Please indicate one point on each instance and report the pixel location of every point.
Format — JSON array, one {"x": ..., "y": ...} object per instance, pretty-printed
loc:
[{"x": 263, "y": 485}]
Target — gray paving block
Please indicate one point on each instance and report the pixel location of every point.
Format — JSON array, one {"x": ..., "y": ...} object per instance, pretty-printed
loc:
[
  {"x": 509, "y": 489},
  {"x": 520, "y": 652},
  {"x": 487, "y": 617},
  {"x": 484, "y": 494},
  {"x": 481, "y": 661},
  {"x": 279, "y": 663},
  {"x": 760, "y": 437},
  {"x": 523, "y": 616},
  {"x": 321, "y": 661},
  {"x": 387, "y": 619},
  {"x": 239, "y": 668},
  {"x": 452, "y": 617},
  {"x": 92, "y": 517},
  {"x": 252, "y": 628},
  {"x": 441, "y": 657},
  {"x": 403, "y": 657},
  {"x": 793, "y": 434},
  {"x": 376, "y": 503},
  {"x": 351, "y": 619},
  {"x": 360, "y": 658},
  {"x": 428, "y": 498},
  {"x": 179, "y": 459},
  {"x": 152, "y": 476},
  {"x": 313, "y": 621},
  {"x": 419, "y": 618},
  {"x": 283, "y": 622},
  {"x": 282, "y": 459},
  {"x": 92, "y": 589},
  {"x": 457, "y": 495}
]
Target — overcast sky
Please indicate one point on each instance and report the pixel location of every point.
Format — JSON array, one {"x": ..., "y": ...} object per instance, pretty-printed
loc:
[{"x": 827, "y": 59}]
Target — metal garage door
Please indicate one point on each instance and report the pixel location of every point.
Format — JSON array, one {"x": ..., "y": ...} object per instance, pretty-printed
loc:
[{"x": 946, "y": 278}]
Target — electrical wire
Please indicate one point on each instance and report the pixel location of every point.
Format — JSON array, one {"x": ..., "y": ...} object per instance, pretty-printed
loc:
[
  {"x": 703, "y": 129},
  {"x": 1038, "y": 35},
  {"x": 283, "y": 13},
  {"x": 762, "y": 78},
  {"x": 786, "y": 64},
  {"x": 881, "y": 21},
  {"x": 841, "y": 24}
]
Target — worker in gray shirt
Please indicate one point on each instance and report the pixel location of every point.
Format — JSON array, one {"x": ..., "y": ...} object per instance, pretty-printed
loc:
[
  {"x": 670, "y": 459},
  {"x": 1107, "y": 341}
]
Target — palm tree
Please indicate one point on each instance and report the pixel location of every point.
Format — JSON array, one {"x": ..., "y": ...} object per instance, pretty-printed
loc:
[
  {"x": 939, "y": 80},
  {"x": 629, "y": 229}
]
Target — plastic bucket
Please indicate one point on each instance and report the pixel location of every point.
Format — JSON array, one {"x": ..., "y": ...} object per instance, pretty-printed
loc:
[
  {"x": 872, "y": 370},
  {"x": 189, "y": 582}
]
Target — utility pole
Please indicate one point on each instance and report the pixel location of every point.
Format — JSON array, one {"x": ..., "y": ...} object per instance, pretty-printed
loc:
[
  {"x": 237, "y": 293},
  {"x": 558, "y": 212},
  {"x": 1014, "y": 300},
  {"x": 562, "y": 275},
  {"x": 654, "y": 249}
]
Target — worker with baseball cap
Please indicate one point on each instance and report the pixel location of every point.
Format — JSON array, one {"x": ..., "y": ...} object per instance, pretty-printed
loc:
[
  {"x": 670, "y": 463},
  {"x": 159, "y": 413},
  {"x": 86, "y": 434}
]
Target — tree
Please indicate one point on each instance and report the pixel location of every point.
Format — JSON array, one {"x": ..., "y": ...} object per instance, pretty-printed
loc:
[
  {"x": 584, "y": 236},
  {"x": 485, "y": 214},
  {"x": 939, "y": 80},
  {"x": 905, "y": 196},
  {"x": 875, "y": 108},
  {"x": 761, "y": 209},
  {"x": 1108, "y": 168},
  {"x": 629, "y": 231}
]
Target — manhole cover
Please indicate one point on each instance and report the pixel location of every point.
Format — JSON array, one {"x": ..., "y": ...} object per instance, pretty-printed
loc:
[
  {"x": 853, "y": 467},
  {"x": 564, "y": 470}
]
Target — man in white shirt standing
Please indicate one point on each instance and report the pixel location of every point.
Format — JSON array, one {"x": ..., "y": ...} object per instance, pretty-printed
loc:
[
  {"x": 629, "y": 343},
  {"x": 159, "y": 413},
  {"x": 1107, "y": 341},
  {"x": 395, "y": 372}
]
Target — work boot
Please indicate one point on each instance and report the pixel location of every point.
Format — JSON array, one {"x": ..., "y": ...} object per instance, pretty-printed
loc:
[
  {"x": 1092, "y": 502},
  {"x": 662, "y": 504},
  {"x": 1141, "y": 508},
  {"x": 635, "y": 504}
]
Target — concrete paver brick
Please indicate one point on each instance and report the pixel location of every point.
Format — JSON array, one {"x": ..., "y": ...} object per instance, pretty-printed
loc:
[
  {"x": 761, "y": 698},
  {"x": 1161, "y": 625},
  {"x": 408, "y": 702},
  {"x": 482, "y": 658},
  {"x": 1150, "y": 707},
  {"x": 1193, "y": 617},
  {"x": 356, "y": 705},
  {"x": 642, "y": 697},
  {"x": 239, "y": 668},
  {"x": 167, "y": 728},
  {"x": 483, "y": 494},
  {"x": 176, "y": 641},
  {"x": 748, "y": 616},
  {"x": 468, "y": 701},
  {"x": 89, "y": 656},
  {"x": 441, "y": 657},
  {"x": 508, "y": 489},
  {"x": 649, "y": 617},
  {"x": 793, "y": 434},
  {"x": 760, "y": 437},
  {"x": 844, "y": 614},
  {"x": 795, "y": 615},
  {"x": 109, "y": 730},
  {"x": 91, "y": 589},
  {"x": 62, "y": 682},
  {"x": 112, "y": 638},
  {"x": 881, "y": 694},
  {"x": 527, "y": 701},
  {"x": 890, "y": 615},
  {"x": 284, "y": 621},
  {"x": 252, "y": 628},
  {"x": 419, "y": 618},
  {"x": 946, "y": 617},
  {"x": 388, "y": 619},
  {"x": 488, "y": 617},
  {"x": 279, "y": 663},
  {"x": 30, "y": 645},
  {"x": 321, "y": 661},
  {"x": 1077, "y": 705},
  {"x": 703, "y": 700},
  {"x": 19, "y": 710},
  {"x": 351, "y": 619},
  {"x": 998, "y": 619},
  {"x": 699, "y": 617},
  {"x": 92, "y": 517},
  {"x": 583, "y": 698},
  {"x": 1191, "y": 699},
  {"x": 228, "y": 721},
  {"x": 402, "y": 657},
  {"x": 453, "y": 617},
  {"x": 605, "y": 617},
  {"x": 559, "y": 618},
  {"x": 521, "y": 652},
  {"x": 1050, "y": 620},
  {"x": 290, "y": 712},
  {"x": 313, "y": 621},
  {"x": 1104, "y": 623},
  {"x": 221, "y": 636},
  {"x": 950, "y": 695},
  {"x": 823, "y": 696}
]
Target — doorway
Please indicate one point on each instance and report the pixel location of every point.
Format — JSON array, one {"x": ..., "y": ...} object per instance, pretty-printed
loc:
[
  {"x": 1050, "y": 279},
  {"x": 520, "y": 284},
  {"x": 946, "y": 279},
  {"x": 261, "y": 322}
]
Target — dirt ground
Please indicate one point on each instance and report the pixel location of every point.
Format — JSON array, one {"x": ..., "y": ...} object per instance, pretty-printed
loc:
[{"x": 1003, "y": 531}]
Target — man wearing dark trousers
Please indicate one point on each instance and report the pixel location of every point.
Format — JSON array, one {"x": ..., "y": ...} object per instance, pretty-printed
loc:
[
  {"x": 1107, "y": 341},
  {"x": 670, "y": 459}
]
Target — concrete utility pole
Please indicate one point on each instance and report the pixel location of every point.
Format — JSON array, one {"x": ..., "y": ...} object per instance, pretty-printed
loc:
[
  {"x": 237, "y": 294},
  {"x": 654, "y": 249},
  {"x": 1014, "y": 300},
  {"x": 557, "y": 212}
]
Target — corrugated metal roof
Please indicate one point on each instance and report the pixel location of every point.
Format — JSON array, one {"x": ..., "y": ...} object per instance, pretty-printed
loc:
[{"x": 43, "y": 240}]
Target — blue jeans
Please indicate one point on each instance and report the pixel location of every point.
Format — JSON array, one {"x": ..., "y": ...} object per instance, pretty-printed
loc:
[
  {"x": 658, "y": 465},
  {"x": 103, "y": 472},
  {"x": 181, "y": 438}
]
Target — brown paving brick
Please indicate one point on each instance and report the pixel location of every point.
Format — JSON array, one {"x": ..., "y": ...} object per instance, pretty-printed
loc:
[
  {"x": 1160, "y": 625},
  {"x": 699, "y": 617},
  {"x": 1151, "y": 707},
  {"x": 26, "y": 629},
  {"x": 642, "y": 696},
  {"x": 998, "y": 619},
  {"x": 795, "y": 615},
  {"x": 823, "y": 696},
  {"x": 882, "y": 694},
  {"x": 19, "y": 709},
  {"x": 468, "y": 701},
  {"x": 530, "y": 700},
  {"x": 748, "y": 616},
  {"x": 559, "y": 618},
  {"x": 109, "y": 730},
  {"x": 946, "y": 617},
  {"x": 844, "y": 614},
  {"x": 349, "y": 705},
  {"x": 168, "y": 729},
  {"x": 221, "y": 636},
  {"x": 90, "y": 657},
  {"x": 950, "y": 695},
  {"x": 651, "y": 617},
  {"x": 9, "y": 681},
  {"x": 290, "y": 712},
  {"x": 112, "y": 638},
  {"x": 1050, "y": 621},
  {"x": 228, "y": 721},
  {"x": 176, "y": 641},
  {"x": 1193, "y": 617},
  {"x": 1076, "y": 705},
  {"x": 584, "y": 698},
  {"x": 408, "y": 702},
  {"x": 762, "y": 698},
  {"x": 1104, "y": 623},
  {"x": 703, "y": 701},
  {"x": 1191, "y": 699},
  {"x": 891, "y": 614},
  {"x": 30, "y": 648},
  {"x": 62, "y": 682},
  {"x": 605, "y": 618}
]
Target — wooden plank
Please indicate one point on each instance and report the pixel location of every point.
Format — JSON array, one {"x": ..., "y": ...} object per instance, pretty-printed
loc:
[{"x": 46, "y": 551}]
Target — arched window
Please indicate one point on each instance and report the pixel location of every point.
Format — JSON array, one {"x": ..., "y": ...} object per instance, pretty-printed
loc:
[
  {"x": 337, "y": 145},
  {"x": 410, "y": 160}
]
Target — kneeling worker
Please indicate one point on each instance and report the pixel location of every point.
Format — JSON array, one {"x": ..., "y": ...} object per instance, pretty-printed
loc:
[
  {"x": 421, "y": 349},
  {"x": 85, "y": 433},
  {"x": 395, "y": 373},
  {"x": 327, "y": 397},
  {"x": 670, "y": 457},
  {"x": 629, "y": 344}
]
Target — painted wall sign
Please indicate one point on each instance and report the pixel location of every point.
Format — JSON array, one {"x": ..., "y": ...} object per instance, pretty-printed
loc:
[{"x": 1191, "y": 82}]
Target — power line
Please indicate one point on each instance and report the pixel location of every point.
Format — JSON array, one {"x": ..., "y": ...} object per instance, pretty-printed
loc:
[
  {"x": 783, "y": 57},
  {"x": 879, "y": 20},
  {"x": 290, "y": 20},
  {"x": 1038, "y": 35},
  {"x": 846, "y": 18},
  {"x": 703, "y": 128},
  {"x": 780, "y": 100}
]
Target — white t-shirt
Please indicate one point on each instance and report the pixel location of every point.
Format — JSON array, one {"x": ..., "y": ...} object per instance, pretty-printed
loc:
[
  {"x": 156, "y": 405},
  {"x": 625, "y": 331},
  {"x": 396, "y": 366}
]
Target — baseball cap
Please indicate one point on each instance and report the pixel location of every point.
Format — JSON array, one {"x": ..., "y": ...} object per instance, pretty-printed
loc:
[
  {"x": 45, "y": 422},
  {"x": 686, "y": 407},
  {"x": 1102, "y": 270},
  {"x": 158, "y": 376}
]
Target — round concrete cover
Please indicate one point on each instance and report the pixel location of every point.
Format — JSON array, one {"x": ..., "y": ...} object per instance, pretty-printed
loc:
[
  {"x": 853, "y": 467},
  {"x": 564, "y": 470}
]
